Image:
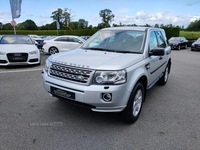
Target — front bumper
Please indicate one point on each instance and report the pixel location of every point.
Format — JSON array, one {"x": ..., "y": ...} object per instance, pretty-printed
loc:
[
  {"x": 174, "y": 46},
  {"x": 90, "y": 95},
  {"x": 30, "y": 60},
  {"x": 195, "y": 47}
]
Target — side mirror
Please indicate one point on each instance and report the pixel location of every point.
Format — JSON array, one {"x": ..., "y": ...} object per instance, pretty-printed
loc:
[
  {"x": 80, "y": 42},
  {"x": 157, "y": 52}
]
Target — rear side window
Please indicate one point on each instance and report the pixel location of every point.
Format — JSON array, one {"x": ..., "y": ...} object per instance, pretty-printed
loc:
[
  {"x": 62, "y": 39},
  {"x": 72, "y": 39}
]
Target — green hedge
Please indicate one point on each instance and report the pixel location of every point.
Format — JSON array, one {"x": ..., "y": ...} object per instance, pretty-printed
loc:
[
  {"x": 84, "y": 32},
  {"x": 171, "y": 32},
  {"x": 190, "y": 35}
]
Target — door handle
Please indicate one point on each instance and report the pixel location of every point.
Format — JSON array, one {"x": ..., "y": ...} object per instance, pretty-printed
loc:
[{"x": 160, "y": 58}]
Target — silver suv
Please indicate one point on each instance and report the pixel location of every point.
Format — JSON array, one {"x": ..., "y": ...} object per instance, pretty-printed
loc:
[{"x": 111, "y": 71}]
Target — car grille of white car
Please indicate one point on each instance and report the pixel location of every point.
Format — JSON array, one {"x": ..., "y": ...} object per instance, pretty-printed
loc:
[
  {"x": 69, "y": 73},
  {"x": 17, "y": 57}
]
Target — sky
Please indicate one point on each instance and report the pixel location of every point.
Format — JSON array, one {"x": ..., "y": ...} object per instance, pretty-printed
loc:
[{"x": 139, "y": 12}]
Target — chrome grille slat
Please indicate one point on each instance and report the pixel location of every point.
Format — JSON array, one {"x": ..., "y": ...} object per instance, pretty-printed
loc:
[{"x": 69, "y": 73}]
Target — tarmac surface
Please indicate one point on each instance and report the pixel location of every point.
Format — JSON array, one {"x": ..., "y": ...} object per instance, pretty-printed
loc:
[{"x": 32, "y": 120}]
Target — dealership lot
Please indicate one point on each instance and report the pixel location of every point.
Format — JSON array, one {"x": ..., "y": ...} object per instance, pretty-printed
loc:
[{"x": 31, "y": 119}]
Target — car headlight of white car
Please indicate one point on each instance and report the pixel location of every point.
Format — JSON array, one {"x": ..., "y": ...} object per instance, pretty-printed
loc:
[
  {"x": 47, "y": 65},
  {"x": 33, "y": 52},
  {"x": 2, "y": 53},
  {"x": 110, "y": 77}
]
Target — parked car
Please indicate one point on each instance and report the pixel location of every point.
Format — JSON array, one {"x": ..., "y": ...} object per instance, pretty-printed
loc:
[
  {"x": 195, "y": 46},
  {"x": 18, "y": 50},
  {"x": 85, "y": 37},
  {"x": 178, "y": 43},
  {"x": 38, "y": 40},
  {"x": 62, "y": 43},
  {"x": 35, "y": 37},
  {"x": 111, "y": 71}
]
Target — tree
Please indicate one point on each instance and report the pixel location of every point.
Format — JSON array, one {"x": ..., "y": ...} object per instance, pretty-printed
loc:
[
  {"x": 58, "y": 16},
  {"x": 194, "y": 26},
  {"x": 1, "y": 26},
  {"x": 156, "y": 25},
  {"x": 7, "y": 26},
  {"x": 82, "y": 24},
  {"x": 101, "y": 25},
  {"x": 63, "y": 16},
  {"x": 27, "y": 25},
  {"x": 107, "y": 17},
  {"x": 67, "y": 18}
]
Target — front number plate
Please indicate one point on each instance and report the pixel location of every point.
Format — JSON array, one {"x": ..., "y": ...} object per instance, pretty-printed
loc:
[{"x": 62, "y": 93}]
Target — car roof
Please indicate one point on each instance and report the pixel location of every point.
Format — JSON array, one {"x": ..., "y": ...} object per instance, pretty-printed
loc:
[
  {"x": 14, "y": 35},
  {"x": 67, "y": 36},
  {"x": 131, "y": 28}
]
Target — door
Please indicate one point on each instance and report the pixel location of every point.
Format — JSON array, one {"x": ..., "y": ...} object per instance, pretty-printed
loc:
[
  {"x": 62, "y": 43},
  {"x": 157, "y": 63},
  {"x": 74, "y": 42}
]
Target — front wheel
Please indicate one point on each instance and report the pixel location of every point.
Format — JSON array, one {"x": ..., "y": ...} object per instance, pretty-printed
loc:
[{"x": 132, "y": 111}]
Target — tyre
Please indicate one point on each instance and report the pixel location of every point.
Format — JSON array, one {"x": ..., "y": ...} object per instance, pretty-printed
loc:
[
  {"x": 132, "y": 111},
  {"x": 53, "y": 50},
  {"x": 163, "y": 80},
  {"x": 186, "y": 46},
  {"x": 179, "y": 47}
]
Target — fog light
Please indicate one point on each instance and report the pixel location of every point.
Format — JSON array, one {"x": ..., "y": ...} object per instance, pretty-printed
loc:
[{"x": 107, "y": 97}]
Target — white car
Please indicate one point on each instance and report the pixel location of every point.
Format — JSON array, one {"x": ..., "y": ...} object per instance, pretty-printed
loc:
[
  {"x": 62, "y": 43},
  {"x": 18, "y": 50}
]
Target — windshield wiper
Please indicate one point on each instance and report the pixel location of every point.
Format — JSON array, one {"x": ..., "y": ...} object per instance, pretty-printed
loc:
[
  {"x": 110, "y": 50},
  {"x": 127, "y": 52},
  {"x": 97, "y": 48}
]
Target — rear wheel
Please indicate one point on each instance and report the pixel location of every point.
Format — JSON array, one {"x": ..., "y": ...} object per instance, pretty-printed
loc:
[
  {"x": 185, "y": 46},
  {"x": 132, "y": 111},
  {"x": 179, "y": 47},
  {"x": 53, "y": 50},
  {"x": 163, "y": 80}
]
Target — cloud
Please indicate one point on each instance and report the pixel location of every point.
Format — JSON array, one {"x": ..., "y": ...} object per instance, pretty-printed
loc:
[
  {"x": 4, "y": 13},
  {"x": 192, "y": 3},
  {"x": 143, "y": 18},
  {"x": 44, "y": 17}
]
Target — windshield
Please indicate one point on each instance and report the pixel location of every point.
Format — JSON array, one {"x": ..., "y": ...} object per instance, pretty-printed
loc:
[
  {"x": 117, "y": 41},
  {"x": 175, "y": 39},
  {"x": 15, "y": 39}
]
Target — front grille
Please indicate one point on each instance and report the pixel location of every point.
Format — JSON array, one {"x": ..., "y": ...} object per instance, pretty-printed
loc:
[
  {"x": 17, "y": 57},
  {"x": 69, "y": 73},
  {"x": 197, "y": 46}
]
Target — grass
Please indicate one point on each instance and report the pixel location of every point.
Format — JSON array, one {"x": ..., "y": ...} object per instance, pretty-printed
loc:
[{"x": 190, "y": 35}]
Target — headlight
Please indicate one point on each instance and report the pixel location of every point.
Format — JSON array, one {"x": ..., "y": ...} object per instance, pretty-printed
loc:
[
  {"x": 33, "y": 52},
  {"x": 47, "y": 65},
  {"x": 109, "y": 77},
  {"x": 2, "y": 53}
]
